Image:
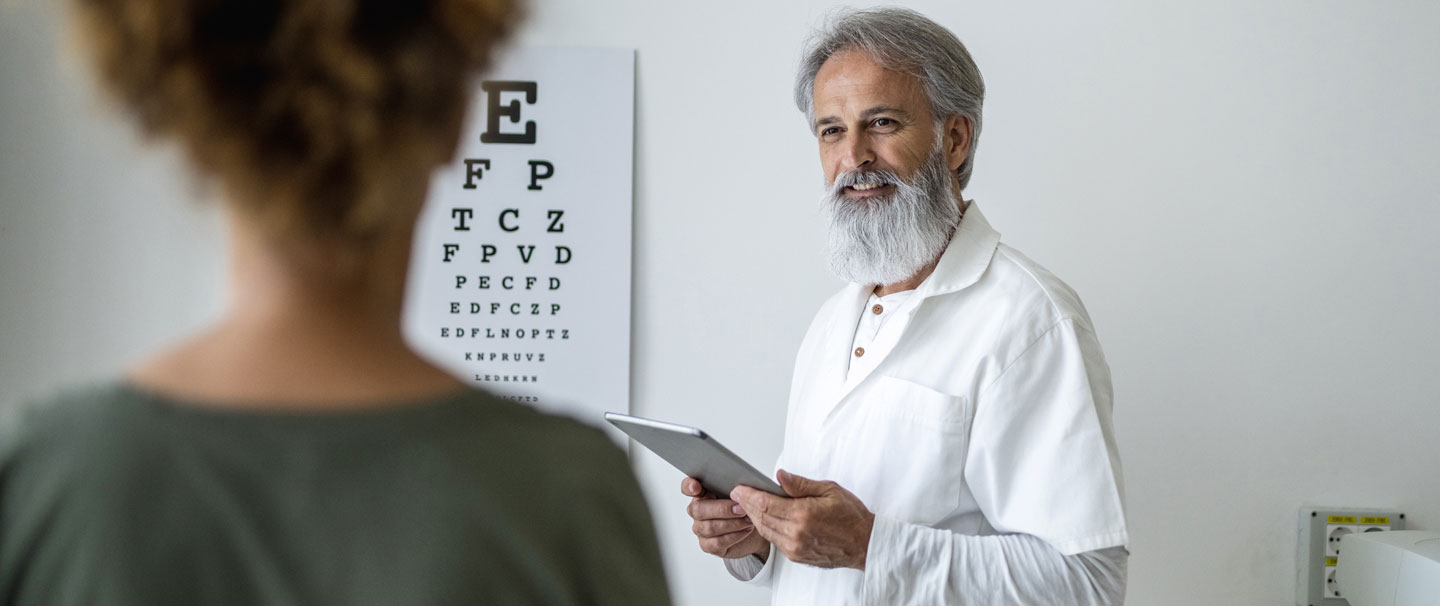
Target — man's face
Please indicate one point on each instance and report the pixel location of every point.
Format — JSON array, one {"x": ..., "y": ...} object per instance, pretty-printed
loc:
[
  {"x": 891, "y": 199},
  {"x": 870, "y": 118}
]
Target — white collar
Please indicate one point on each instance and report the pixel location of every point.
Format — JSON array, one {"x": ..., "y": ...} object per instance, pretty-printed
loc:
[{"x": 965, "y": 259}]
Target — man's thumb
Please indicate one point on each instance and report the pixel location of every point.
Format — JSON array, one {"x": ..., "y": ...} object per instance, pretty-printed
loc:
[{"x": 798, "y": 486}]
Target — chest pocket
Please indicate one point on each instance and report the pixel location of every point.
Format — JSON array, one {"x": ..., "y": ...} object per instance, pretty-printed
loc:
[{"x": 907, "y": 449}]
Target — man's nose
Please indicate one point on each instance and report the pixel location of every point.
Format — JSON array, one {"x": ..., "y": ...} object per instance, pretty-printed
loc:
[{"x": 856, "y": 153}]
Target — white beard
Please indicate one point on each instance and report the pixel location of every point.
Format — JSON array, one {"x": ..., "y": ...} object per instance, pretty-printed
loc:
[{"x": 884, "y": 240}]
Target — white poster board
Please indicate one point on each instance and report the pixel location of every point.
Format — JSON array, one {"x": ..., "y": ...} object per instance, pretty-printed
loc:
[{"x": 520, "y": 276}]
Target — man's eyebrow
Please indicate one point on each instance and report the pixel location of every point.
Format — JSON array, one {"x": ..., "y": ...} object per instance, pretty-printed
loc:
[
  {"x": 866, "y": 115},
  {"x": 885, "y": 109}
]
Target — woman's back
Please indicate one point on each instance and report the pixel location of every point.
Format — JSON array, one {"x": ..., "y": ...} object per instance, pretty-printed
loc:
[
  {"x": 297, "y": 451},
  {"x": 112, "y": 495}
]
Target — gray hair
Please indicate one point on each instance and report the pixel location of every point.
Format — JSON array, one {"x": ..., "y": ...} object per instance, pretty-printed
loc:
[{"x": 902, "y": 40}]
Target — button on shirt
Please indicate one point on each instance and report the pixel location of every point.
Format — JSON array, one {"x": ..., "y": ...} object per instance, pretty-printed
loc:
[
  {"x": 981, "y": 406},
  {"x": 877, "y": 311}
]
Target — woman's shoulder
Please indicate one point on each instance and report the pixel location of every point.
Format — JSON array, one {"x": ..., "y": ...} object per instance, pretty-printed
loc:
[
  {"x": 531, "y": 422},
  {"x": 64, "y": 437},
  {"x": 559, "y": 441},
  {"x": 78, "y": 410}
]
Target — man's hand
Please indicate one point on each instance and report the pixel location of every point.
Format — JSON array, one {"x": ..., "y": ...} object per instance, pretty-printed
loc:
[
  {"x": 720, "y": 525},
  {"x": 821, "y": 524}
]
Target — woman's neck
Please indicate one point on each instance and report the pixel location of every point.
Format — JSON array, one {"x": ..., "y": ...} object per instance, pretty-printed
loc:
[{"x": 298, "y": 338}]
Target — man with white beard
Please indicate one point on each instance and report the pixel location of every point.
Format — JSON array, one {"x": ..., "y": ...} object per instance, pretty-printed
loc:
[{"x": 949, "y": 435}]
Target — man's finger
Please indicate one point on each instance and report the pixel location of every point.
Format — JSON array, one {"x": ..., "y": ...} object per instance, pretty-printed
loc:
[
  {"x": 771, "y": 529},
  {"x": 731, "y": 539},
  {"x": 721, "y": 545},
  {"x": 720, "y": 527},
  {"x": 799, "y": 486},
  {"x": 771, "y": 515},
  {"x": 758, "y": 502},
  {"x": 779, "y": 524},
  {"x": 691, "y": 487},
  {"x": 709, "y": 509},
  {"x": 766, "y": 532}
]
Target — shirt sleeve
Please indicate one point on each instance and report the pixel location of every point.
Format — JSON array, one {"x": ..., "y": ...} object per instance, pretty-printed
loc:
[
  {"x": 750, "y": 569},
  {"x": 1042, "y": 459},
  {"x": 914, "y": 564}
]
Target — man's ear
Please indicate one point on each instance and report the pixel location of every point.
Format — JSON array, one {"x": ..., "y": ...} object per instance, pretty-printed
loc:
[{"x": 958, "y": 130}]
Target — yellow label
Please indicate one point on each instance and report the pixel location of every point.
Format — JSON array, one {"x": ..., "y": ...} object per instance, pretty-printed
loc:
[
  {"x": 1342, "y": 519},
  {"x": 1332, "y": 561},
  {"x": 1376, "y": 521}
]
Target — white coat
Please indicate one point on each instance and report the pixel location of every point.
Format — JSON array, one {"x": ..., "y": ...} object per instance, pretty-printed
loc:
[{"x": 988, "y": 412}]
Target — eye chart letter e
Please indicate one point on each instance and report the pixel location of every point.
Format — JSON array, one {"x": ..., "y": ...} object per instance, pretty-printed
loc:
[{"x": 520, "y": 273}]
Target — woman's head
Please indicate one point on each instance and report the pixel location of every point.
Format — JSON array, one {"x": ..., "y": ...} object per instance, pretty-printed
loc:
[{"x": 321, "y": 119}]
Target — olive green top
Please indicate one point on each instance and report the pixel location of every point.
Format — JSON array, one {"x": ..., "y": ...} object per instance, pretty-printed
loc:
[{"x": 113, "y": 496}]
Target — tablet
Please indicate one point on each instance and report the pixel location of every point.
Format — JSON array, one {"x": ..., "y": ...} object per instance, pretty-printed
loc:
[{"x": 695, "y": 454}]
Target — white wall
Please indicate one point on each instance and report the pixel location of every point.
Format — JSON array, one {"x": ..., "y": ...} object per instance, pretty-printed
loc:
[
  {"x": 106, "y": 250},
  {"x": 1241, "y": 191}
]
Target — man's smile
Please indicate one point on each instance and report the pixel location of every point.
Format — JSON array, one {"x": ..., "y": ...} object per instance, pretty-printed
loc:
[{"x": 866, "y": 190}]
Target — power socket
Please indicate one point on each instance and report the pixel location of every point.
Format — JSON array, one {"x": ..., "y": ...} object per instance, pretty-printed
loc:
[
  {"x": 1321, "y": 531},
  {"x": 1334, "y": 532}
]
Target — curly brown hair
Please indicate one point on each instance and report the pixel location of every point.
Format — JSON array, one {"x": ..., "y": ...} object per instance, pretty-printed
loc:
[{"x": 314, "y": 115}]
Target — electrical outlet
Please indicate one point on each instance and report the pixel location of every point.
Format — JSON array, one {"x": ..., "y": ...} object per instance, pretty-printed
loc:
[
  {"x": 1333, "y": 534},
  {"x": 1332, "y": 590},
  {"x": 1322, "y": 531}
]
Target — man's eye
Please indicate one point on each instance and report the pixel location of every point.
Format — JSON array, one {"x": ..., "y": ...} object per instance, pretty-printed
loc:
[
  {"x": 883, "y": 122},
  {"x": 829, "y": 131}
]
